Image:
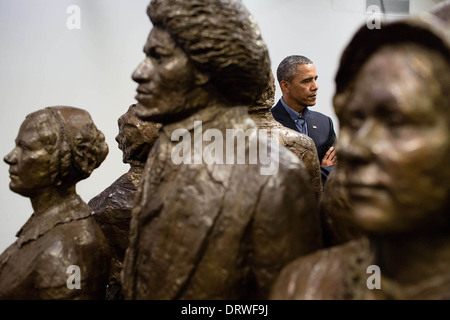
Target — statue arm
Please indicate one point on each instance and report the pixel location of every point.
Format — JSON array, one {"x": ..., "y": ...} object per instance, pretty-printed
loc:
[{"x": 285, "y": 226}]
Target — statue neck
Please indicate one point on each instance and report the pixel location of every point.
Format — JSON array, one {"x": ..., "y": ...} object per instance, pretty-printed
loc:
[
  {"x": 214, "y": 116},
  {"x": 411, "y": 262},
  {"x": 52, "y": 197}
]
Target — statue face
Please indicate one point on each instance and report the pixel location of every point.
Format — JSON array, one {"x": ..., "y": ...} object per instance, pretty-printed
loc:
[
  {"x": 394, "y": 144},
  {"x": 166, "y": 79},
  {"x": 135, "y": 137},
  {"x": 30, "y": 163},
  {"x": 128, "y": 129}
]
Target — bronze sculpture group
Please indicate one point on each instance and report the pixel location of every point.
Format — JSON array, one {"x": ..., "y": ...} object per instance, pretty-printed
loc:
[
  {"x": 223, "y": 230},
  {"x": 219, "y": 230}
]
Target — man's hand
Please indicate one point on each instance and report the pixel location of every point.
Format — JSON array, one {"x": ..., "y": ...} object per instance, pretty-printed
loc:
[{"x": 330, "y": 158}]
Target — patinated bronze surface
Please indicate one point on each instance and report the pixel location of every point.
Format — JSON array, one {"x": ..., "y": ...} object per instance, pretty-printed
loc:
[
  {"x": 335, "y": 210},
  {"x": 336, "y": 273},
  {"x": 210, "y": 230},
  {"x": 300, "y": 144},
  {"x": 392, "y": 101},
  {"x": 56, "y": 147},
  {"x": 113, "y": 206}
]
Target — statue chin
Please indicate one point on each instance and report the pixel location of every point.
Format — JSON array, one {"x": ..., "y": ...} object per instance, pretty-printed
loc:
[
  {"x": 147, "y": 113},
  {"x": 159, "y": 116}
]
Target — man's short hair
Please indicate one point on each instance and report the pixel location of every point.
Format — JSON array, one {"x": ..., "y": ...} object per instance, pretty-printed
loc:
[{"x": 287, "y": 69}]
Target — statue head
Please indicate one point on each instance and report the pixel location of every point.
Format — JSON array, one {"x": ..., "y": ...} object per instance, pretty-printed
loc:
[
  {"x": 267, "y": 98},
  {"x": 214, "y": 45},
  {"x": 393, "y": 104},
  {"x": 136, "y": 137},
  {"x": 55, "y": 147}
]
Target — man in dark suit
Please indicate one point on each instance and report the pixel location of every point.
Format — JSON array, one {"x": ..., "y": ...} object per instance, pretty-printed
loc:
[{"x": 297, "y": 77}]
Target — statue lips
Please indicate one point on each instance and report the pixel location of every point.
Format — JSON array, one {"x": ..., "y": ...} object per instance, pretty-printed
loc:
[
  {"x": 13, "y": 174},
  {"x": 143, "y": 95},
  {"x": 364, "y": 184},
  {"x": 360, "y": 190}
]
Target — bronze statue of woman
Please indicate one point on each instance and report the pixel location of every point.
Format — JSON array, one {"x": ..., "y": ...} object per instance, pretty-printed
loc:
[
  {"x": 60, "y": 253},
  {"x": 393, "y": 104}
]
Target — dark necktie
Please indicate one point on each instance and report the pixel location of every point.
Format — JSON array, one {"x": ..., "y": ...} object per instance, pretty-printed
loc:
[{"x": 301, "y": 124}]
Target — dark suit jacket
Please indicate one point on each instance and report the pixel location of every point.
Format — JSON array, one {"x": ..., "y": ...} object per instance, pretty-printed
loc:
[{"x": 320, "y": 127}]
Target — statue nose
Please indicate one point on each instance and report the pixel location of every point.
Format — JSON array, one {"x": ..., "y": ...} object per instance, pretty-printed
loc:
[
  {"x": 11, "y": 157},
  {"x": 143, "y": 71}
]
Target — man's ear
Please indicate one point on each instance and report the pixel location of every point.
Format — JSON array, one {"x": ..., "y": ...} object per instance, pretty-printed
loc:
[
  {"x": 284, "y": 86},
  {"x": 201, "y": 78}
]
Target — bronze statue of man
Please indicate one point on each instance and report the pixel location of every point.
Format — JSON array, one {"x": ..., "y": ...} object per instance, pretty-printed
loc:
[
  {"x": 203, "y": 229},
  {"x": 393, "y": 103},
  {"x": 60, "y": 253},
  {"x": 113, "y": 206}
]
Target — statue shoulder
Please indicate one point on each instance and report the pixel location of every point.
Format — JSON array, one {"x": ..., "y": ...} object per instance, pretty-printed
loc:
[{"x": 330, "y": 274}]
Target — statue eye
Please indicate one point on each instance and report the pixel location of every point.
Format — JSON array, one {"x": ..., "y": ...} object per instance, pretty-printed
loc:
[
  {"x": 22, "y": 145},
  {"x": 354, "y": 120},
  {"x": 395, "y": 119},
  {"x": 155, "y": 53},
  {"x": 356, "y": 123}
]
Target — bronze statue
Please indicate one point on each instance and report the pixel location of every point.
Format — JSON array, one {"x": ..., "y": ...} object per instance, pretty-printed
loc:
[
  {"x": 300, "y": 144},
  {"x": 113, "y": 206},
  {"x": 335, "y": 210},
  {"x": 205, "y": 229},
  {"x": 60, "y": 252},
  {"x": 392, "y": 100}
]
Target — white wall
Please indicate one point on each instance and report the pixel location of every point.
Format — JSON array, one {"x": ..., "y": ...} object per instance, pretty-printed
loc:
[
  {"x": 43, "y": 63},
  {"x": 317, "y": 29}
]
